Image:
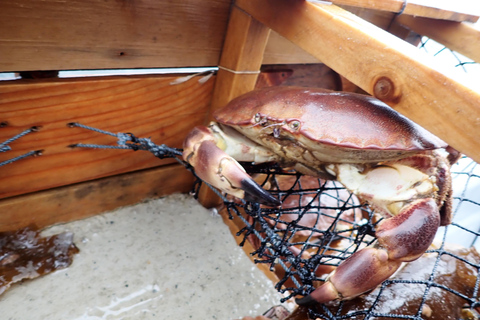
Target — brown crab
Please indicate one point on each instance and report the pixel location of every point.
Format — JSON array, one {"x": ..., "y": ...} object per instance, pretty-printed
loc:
[{"x": 385, "y": 159}]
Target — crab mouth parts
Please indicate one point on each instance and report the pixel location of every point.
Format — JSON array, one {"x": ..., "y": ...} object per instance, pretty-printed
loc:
[
  {"x": 276, "y": 124},
  {"x": 273, "y": 129}
]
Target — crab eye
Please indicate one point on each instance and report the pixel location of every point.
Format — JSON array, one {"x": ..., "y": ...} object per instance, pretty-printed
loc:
[
  {"x": 257, "y": 118},
  {"x": 294, "y": 125}
]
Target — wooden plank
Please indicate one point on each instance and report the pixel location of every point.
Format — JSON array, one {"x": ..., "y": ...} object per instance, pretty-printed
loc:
[
  {"x": 86, "y": 199},
  {"x": 147, "y": 106},
  {"x": 382, "y": 19},
  {"x": 457, "y": 11},
  {"x": 382, "y": 65},
  {"x": 384, "y": 5},
  {"x": 96, "y": 34},
  {"x": 281, "y": 51},
  {"x": 239, "y": 67},
  {"x": 457, "y": 36}
]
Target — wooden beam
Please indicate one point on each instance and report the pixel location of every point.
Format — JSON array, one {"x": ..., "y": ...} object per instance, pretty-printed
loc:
[
  {"x": 148, "y": 106},
  {"x": 239, "y": 67},
  {"x": 93, "y": 34},
  {"x": 382, "y": 65},
  {"x": 457, "y": 36},
  {"x": 458, "y": 11},
  {"x": 281, "y": 51},
  {"x": 86, "y": 199},
  {"x": 241, "y": 59}
]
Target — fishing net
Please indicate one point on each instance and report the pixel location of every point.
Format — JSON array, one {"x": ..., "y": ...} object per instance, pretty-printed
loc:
[{"x": 321, "y": 224}]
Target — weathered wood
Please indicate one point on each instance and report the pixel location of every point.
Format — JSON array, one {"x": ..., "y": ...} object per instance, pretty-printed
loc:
[
  {"x": 457, "y": 36},
  {"x": 86, "y": 199},
  {"x": 146, "y": 106},
  {"x": 390, "y": 69},
  {"x": 458, "y": 11}
]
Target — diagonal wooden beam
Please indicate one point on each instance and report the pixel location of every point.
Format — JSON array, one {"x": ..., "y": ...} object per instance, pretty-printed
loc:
[
  {"x": 459, "y": 11},
  {"x": 381, "y": 64},
  {"x": 461, "y": 37}
]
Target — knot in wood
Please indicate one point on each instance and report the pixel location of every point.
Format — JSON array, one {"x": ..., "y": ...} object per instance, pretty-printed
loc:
[{"x": 384, "y": 89}]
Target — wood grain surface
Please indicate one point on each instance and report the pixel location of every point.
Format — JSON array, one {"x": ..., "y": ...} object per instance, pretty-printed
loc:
[
  {"x": 98, "y": 34},
  {"x": 149, "y": 107}
]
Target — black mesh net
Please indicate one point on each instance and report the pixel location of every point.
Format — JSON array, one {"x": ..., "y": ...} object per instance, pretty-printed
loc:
[{"x": 321, "y": 224}]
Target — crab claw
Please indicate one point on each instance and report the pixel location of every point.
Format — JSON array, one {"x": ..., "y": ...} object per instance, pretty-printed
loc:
[
  {"x": 361, "y": 272},
  {"x": 217, "y": 168},
  {"x": 401, "y": 238}
]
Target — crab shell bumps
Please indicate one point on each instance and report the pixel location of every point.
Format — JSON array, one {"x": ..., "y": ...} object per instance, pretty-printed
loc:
[{"x": 397, "y": 167}]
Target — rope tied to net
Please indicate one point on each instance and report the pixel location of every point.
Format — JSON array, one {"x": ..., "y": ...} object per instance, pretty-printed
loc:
[
  {"x": 160, "y": 151},
  {"x": 128, "y": 141}
]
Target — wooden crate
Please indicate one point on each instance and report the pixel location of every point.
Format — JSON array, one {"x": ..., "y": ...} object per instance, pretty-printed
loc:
[{"x": 65, "y": 184}]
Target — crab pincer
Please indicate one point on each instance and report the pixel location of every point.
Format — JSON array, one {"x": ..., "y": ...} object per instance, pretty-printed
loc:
[
  {"x": 219, "y": 169},
  {"x": 402, "y": 238}
]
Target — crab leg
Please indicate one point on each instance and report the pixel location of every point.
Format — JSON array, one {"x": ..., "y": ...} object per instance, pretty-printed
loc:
[
  {"x": 402, "y": 238},
  {"x": 410, "y": 229},
  {"x": 216, "y": 167}
]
